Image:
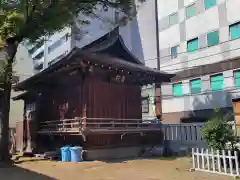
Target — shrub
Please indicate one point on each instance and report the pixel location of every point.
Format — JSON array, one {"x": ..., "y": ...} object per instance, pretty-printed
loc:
[
  {"x": 217, "y": 132},
  {"x": 159, "y": 117}
]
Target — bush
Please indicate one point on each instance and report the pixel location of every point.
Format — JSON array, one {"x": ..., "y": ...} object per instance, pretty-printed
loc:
[
  {"x": 159, "y": 117},
  {"x": 217, "y": 132}
]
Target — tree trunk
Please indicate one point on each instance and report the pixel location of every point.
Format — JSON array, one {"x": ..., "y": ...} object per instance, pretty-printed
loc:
[
  {"x": 4, "y": 144},
  {"x": 10, "y": 50}
]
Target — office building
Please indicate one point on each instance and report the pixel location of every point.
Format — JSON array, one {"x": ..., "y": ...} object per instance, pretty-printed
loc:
[
  {"x": 49, "y": 50},
  {"x": 200, "y": 41}
]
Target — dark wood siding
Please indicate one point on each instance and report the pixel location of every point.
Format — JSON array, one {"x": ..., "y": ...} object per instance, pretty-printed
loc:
[
  {"x": 109, "y": 100},
  {"x": 49, "y": 102}
]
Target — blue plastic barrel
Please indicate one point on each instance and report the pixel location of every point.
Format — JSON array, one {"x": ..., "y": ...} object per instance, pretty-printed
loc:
[
  {"x": 65, "y": 154},
  {"x": 76, "y": 154}
]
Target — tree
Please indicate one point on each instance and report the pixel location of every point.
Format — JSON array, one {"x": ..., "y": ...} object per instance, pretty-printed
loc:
[{"x": 33, "y": 19}]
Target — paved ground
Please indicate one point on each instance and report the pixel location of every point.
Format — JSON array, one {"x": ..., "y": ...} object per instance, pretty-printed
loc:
[{"x": 152, "y": 169}]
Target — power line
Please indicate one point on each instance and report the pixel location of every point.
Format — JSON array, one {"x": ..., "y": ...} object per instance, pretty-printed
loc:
[
  {"x": 235, "y": 78},
  {"x": 197, "y": 94},
  {"x": 183, "y": 52},
  {"x": 196, "y": 59}
]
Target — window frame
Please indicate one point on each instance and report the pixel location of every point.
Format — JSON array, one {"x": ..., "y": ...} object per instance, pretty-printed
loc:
[
  {"x": 41, "y": 54},
  {"x": 186, "y": 14},
  {"x": 143, "y": 99},
  {"x": 213, "y": 32},
  {"x": 190, "y": 82},
  {"x": 209, "y": 7},
  {"x": 174, "y": 57},
  {"x": 235, "y": 71},
  {"x": 36, "y": 47},
  {"x": 180, "y": 83},
  {"x": 169, "y": 19},
  {"x": 231, "y": 25},
  {"x": 214, "y": 75},
  {"x": 193, "y": 40}
]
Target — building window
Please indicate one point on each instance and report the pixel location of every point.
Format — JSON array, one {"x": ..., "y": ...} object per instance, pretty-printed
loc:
[
  {"x": 234, "y": 31},
  {"x": 213, "y": 38},
  {"x": 174, "y": 52},
  {"x": 217, "y": 82},
  {"x": 209, "y": 3},
  {"x": 196, "y": 86},
  {"x": 177, "y": 89},
  {"x": 173, "y": 19},
  {"x": 237, "y": 78},
  {"x": 191, "y": 11},
  {"x": 192, "y": 45},
  {"x": 36, "y": 47},
  {"x": 145, "y": 104},
  {"x": 39, "y": 56}
]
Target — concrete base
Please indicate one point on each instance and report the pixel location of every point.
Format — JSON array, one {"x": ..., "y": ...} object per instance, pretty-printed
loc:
[
  {"x": 118, "y": 153},
  {"x": 182, "y": 147}
]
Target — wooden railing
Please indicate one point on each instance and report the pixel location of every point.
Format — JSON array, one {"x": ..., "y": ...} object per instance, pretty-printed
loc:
[{"x": 97, "y": 125}]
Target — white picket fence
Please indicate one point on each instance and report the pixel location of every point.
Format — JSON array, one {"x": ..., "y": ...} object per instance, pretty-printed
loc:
[
  {"x": 183, "y": 131},
  {"x": 220, "y": 162}
]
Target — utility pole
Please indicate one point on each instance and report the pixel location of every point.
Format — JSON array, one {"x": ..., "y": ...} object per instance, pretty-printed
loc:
[
  {"x": 157, "y": 34},
  {"x": 158, "y": 100}
]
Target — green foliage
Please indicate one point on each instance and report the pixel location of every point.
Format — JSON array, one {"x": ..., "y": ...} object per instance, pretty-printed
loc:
[
  {"x": 33, "y": 19},
  {"x": 218, "y": 132},
  {"x": 159, "y": 117}
]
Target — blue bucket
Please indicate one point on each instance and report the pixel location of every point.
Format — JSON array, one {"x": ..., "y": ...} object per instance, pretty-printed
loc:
[
  {"x": 76, "y": 154},
  {"x": 65, "y": 154}
]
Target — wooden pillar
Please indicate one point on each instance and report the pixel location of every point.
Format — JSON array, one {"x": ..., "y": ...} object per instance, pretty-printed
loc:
[
  {"x": 84, "y": 105},
  {"x": 84, "y": 94}
]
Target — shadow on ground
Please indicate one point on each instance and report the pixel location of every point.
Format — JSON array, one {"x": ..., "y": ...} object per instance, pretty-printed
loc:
[
  {"x": 12, "y": 172},
  {"x": 27, "y": 160}
]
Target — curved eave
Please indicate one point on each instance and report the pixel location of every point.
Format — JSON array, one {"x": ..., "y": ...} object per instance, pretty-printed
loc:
[{"x": 113, "y": 44}]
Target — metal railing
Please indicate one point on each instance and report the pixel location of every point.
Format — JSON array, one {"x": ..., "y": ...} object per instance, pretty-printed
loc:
[{"x": 97, "y": 124}]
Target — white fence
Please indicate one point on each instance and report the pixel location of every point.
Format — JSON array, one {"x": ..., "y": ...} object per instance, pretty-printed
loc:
[
  {"x": 221, "y": 162},
  {"x": 182, "y": 132}
]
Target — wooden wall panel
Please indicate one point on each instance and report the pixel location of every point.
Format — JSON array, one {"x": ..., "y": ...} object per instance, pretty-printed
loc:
[
  {"x": 48, "y": 104},
  {"x": 108, "y": 100}
]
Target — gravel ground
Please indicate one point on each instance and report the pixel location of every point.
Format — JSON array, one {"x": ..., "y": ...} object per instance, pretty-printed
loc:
[{"x": 145, "y": 169}]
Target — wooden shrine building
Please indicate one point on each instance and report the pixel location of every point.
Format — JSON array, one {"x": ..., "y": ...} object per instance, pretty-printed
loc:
[{"x": 91, "y": 97}]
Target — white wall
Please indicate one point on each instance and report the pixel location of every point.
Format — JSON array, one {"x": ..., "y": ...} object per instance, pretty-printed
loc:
[
  {"x": 202, "y": 23},
  {"x": 166, "y": 8},
  {"x": 23, "y": 67},
  {"x": 170, "y": 37}
]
